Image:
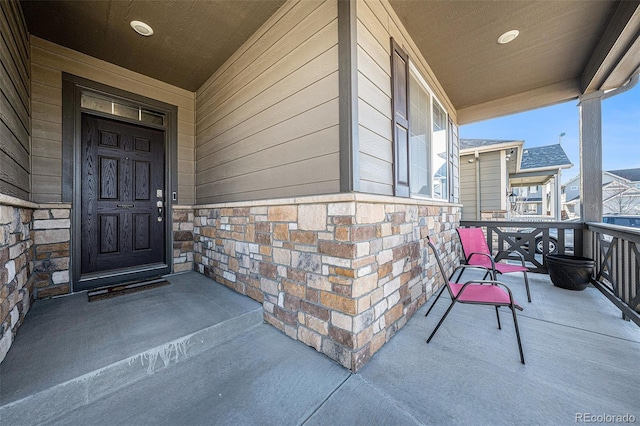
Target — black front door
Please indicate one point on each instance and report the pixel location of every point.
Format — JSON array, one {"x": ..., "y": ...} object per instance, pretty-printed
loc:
[{"x": 122, "y": 210}]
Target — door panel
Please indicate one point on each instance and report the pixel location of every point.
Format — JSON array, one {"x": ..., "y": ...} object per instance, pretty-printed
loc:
[{"x": 122, "y": 171}]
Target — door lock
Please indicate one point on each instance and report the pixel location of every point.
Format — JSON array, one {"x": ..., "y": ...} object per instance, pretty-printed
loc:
[{"x": 159, "y": 204}]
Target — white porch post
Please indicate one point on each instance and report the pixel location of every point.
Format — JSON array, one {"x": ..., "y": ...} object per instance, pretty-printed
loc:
[
  {"x": 557, "y": 195},
  {"x": 591, "y": 157},
  {"x": 590, "y": 162}
]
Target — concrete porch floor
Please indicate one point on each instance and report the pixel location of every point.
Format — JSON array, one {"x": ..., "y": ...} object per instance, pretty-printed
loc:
[{"x": 195, "y": 352}]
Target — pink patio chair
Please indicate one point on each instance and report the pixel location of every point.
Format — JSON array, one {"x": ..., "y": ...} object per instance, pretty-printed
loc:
[
  {"x": 476, "y": 253},
  {"x": 478, "y": 292}
]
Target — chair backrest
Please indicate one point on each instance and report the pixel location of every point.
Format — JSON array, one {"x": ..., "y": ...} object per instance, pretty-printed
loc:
[
  {"x": 473, "y": 241},
  {"x": 442, "y": 272}
]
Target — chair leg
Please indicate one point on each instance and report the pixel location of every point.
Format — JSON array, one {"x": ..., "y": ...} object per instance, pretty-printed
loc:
[
  {"x": 515, "y": 323},
  {"x": 498, "y": 316},
  {"x": 492, "y": 275},
  {"x": 526, "y": 283},
  {"x": 436, "y": 301},
  {"x": 441, "y": 321}
]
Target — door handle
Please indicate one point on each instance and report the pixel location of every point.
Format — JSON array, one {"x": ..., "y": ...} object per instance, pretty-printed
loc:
[{"x": 159, "y": 205}]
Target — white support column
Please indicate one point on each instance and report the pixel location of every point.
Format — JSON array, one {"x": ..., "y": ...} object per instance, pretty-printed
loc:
[
  {"x": 590, "y": 163},
  {"x": 591, "y": 157},
  {"x": 557, "y": 195}
]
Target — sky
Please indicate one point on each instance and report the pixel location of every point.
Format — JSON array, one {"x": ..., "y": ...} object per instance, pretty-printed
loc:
[{"x": 620, "y": 130}]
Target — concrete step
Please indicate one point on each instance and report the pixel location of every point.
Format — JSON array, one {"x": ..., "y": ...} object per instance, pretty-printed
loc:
[
  {"x": 261, "y": 377},
  {"x": 29, "y": 399}
]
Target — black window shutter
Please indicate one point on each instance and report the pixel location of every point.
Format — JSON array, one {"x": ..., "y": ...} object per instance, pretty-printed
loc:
[{"x": 400, "y": 107}]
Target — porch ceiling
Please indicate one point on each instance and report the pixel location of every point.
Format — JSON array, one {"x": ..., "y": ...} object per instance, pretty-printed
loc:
[
  {"x": 191, "y": 38},
  {"x": 565, "y": 48}
]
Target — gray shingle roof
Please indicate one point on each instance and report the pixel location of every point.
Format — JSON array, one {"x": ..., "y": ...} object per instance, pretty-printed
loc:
[
  {"x": 631, "y": 174},
  {"x": 477, "y": 143},
  {"x": 544, "y": 156}
]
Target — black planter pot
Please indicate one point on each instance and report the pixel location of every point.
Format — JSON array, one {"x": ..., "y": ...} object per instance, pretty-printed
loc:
[{"x": 570, "y": 272}]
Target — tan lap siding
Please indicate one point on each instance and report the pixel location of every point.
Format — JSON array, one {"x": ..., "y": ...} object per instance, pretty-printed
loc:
[
  {"x": 468, "y": 187},
  {"x": 267, "y": 121},
  {"x": 48, "y": 62},
  {"x": 377, "y": 23},
  {"x": 15, "y": 118},
  {"x": 491, "y": 182}
]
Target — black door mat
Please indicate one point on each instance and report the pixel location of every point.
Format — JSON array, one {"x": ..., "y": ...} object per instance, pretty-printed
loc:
[{"x": 125, "y": 288}]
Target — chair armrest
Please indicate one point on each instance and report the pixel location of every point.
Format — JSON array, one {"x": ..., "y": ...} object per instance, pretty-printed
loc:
[
  {"x": 509, "y": 252},
  {"x": 493, "y": 261},
  {"x": 464, "y": 267},
  {"x": 496, "y": 283}
]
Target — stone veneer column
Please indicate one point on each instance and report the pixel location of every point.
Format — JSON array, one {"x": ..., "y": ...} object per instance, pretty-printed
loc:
[
  {"x": 16, "y": 283},
  {"x": 51, "y": 237},
  {"x": 182, "y": 239},
  {"x": 341, "y": 276}
]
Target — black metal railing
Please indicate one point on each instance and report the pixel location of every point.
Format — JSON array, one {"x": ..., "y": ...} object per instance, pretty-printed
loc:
[
  {"x": 616, "y": 250},
  {"x": 531, "y": 239}
]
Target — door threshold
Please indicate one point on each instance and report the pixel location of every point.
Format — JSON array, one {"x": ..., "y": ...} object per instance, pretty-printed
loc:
[
  {"x": 108, "y": 292},
  {"x": 98, "y": 280}
]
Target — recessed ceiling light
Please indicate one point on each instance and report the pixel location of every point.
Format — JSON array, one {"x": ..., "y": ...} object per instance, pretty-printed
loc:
[
  {"x": 508, "y": 37},
  {"x": 141, "y": 28}
]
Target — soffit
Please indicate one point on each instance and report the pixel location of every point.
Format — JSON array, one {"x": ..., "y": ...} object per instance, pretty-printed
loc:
[
  {"x": 530, "y": 180},
  {"x": 543, "y": 66},
  {"x": 191, "y": 40}
]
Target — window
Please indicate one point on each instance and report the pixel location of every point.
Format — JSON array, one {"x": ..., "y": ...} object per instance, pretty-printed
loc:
[
  {"x": 107, "y": 105},
  {"x": 419, "y": 138},
  {"x": 574, "y": 187},
  {"x": 439, "y": 152},
  {"x": 428, "y": 143}
]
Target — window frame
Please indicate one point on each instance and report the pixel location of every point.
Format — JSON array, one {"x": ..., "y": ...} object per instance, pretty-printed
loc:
[{"x": 446, "y": 196}]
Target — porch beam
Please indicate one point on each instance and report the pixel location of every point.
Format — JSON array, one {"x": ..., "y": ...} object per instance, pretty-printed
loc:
[
  {"x": 525, "y": 101},
  {"x": 619, "y": 41},
  {"x": 348, "y": 92},
  {"x": 541, "y": 173}
]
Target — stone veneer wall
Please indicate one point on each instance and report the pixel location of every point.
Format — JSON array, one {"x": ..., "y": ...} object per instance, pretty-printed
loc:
[
  {"x": 182, "y": 238},
  {"x": 16, "y": 282},
  {"x": 339, "y": 273},
  {"x": 51, "y": 237}
]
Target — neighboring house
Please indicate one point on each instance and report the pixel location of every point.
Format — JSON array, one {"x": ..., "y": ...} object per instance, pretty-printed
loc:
[
  {"x": 502, "y": 176},
  {"x": 528, "y": 200},
  {"x": 620, "y": 193},
  {"x": 298, "y": 152}
]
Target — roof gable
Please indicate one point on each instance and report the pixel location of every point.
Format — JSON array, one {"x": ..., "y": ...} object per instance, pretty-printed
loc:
[
  {"x": 550, "y": 156},
  {"x": 632, "y": 175},
  {"x": 485, "y": 143}
]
